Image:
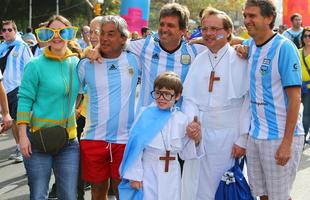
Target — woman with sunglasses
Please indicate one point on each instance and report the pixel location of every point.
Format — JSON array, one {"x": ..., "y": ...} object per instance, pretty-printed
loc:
[
  {"x": 305, "y": 67},
  {"x": 46, "y": 99}
]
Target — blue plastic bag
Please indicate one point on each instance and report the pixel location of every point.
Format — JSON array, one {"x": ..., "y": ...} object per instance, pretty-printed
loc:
[{"x": 233, "y": 185}]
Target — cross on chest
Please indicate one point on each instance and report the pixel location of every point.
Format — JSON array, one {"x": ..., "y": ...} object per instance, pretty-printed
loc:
[
  {"x": 212, "y": 79},
  {"x": 167, "y": 159}
]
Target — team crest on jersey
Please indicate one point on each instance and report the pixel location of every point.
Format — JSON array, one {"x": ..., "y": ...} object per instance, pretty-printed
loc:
[
  {"x": 185, "y": 59},
  {"x": 265, "y": 66},
  {"x": 130, "y": 70},
  {"x": 15, "y": 53}
]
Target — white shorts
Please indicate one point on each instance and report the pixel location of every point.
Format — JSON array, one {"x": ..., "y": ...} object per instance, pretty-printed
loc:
[{"x": 265, "y": 176}]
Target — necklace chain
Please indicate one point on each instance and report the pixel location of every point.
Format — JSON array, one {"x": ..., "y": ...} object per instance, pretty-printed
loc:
[{"x": 213, "y": 67}]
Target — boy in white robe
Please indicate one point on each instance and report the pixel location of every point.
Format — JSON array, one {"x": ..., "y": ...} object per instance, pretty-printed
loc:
[
  {"x": 159, "y": 133},
  {"x": 215, "y": 91}
]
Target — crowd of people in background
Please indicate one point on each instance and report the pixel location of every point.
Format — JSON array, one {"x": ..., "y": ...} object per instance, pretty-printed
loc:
[{"x": 206, "y": 99}]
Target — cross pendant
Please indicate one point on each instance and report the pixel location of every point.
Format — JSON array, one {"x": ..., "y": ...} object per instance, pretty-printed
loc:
[
  {"x": 212, "y": 79},
  {"x": 167, "y": 158}
]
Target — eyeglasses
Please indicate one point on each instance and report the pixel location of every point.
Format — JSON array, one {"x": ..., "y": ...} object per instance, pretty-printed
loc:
[
  {"x": 211, "y": 29},
  {"x": 96, "y": 31},
  {"x": 306, "y": 36},
  {"x": 6, "y": 29},
  {"x": 47, "y": 34},
  {"x": 156, "y": 94}
]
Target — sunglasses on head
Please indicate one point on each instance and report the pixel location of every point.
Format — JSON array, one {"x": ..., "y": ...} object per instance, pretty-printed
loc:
[
  {"x": 47, "y": 34},
  {"x": 6, "y": 29}
]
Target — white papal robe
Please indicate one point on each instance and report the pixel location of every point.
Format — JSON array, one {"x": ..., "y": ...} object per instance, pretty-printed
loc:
[
  {"x": 224, "y": 116},
  {"x": 156, "y": 183}
]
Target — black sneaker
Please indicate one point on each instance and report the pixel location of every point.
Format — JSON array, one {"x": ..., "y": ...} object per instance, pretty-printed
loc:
[
  {"x": 87, "y": 186},
  {"x": 52, "y": 195}
]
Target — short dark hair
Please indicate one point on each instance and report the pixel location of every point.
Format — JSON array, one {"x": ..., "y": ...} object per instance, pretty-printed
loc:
[
  {"x": 307, "y": 28},
  {"x": 7, "y": 22},
  {"x": 144, "y": 29},
  {"x": 175, "y": 9},
  {"x": 28, "y": 30},
  {"x": 267, "y": 9},
  {"x": 169, "y": 80},
  {"x": 293, "y": 16}
]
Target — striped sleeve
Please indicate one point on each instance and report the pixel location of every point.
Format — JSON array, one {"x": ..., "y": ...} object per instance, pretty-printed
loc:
[
  {"x": 289, "y": 65},
  {"x": 81, "y": 73}
]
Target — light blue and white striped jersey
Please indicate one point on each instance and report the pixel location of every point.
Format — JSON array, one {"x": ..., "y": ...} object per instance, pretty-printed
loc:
[
  {"x": 15, "y": 64},
  {"x": 155, "y": 60},
  {"x": 1, "y": 77},
  {"x": 39, "y": 51},
  {"x": 273, "y": 66},
  {"x": 111, "y": 88}
]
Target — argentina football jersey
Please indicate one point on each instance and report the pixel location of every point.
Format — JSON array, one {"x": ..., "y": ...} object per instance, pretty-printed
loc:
[
  {"x": 19, "y": 56},
  {"x": 111, "y": 88},
  {"x": 274, "y": 66},
  {"x": 155, "y": 60}
]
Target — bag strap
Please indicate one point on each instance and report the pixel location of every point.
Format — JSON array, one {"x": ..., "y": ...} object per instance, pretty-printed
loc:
[
  {"x": 241, "y": 163},
  {"x": 304, "y": 59},
  {"x": 4, "y": 59},
  {"x": 69, "y": 94}
]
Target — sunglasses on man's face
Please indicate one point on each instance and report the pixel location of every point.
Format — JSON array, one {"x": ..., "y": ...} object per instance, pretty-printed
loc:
[
  {"x": 306, "y": 36},
  {"x": 3, "y": 30},
  {"x": 47, "y": 34}
]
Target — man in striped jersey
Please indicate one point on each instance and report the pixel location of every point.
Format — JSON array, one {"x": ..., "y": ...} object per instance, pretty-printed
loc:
[
  {"x": 165, "y": 51},
  {"x": 14, "y": 55},
  {"x": 111, "y": 90},
  {"x": 276, "y": 136}
]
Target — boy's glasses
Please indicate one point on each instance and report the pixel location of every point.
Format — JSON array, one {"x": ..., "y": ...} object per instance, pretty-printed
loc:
[
  {"x": 156, "y": 94},
  {"x": 6, "y": 29},
  {"x": 47, "y": 34}
]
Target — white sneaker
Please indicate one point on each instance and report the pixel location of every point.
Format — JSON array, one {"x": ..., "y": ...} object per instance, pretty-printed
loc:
[{"x": 19, "y": 158}]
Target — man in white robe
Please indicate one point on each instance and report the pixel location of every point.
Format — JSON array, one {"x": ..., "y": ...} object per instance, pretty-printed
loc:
[{"x": 215, "y": 90}]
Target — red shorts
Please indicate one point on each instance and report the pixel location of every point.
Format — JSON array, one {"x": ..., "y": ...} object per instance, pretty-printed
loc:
[{"x": 100, "y": 160}]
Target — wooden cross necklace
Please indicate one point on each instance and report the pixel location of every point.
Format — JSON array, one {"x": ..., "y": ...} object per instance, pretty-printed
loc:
[
  {"x": 212, "y": 74},
  {"x": 166, "y": 158}
]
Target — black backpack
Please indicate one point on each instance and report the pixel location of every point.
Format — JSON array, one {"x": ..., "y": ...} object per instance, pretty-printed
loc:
[{"x": 295, "y": 39}]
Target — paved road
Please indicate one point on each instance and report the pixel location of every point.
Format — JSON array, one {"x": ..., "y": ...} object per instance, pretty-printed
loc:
[{"x": 13, "y": 181}]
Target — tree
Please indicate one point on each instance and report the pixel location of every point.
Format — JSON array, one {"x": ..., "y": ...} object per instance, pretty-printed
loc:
[{"x": 232, "y": 7}]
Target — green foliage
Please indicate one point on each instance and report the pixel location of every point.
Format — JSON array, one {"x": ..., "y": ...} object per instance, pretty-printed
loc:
[
  {"x": 232, "y": 7},
  {"x": 80, "y": 13}
]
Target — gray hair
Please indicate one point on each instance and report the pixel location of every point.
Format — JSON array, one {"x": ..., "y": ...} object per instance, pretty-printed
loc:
[{"x": 119, "y": 22}]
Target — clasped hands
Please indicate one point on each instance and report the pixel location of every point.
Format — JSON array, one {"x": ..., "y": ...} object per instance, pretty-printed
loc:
[{"x": 193, "y": 130}]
